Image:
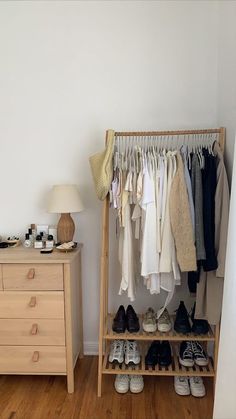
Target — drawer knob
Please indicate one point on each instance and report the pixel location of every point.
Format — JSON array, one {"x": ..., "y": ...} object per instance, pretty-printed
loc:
[
  {"x": 31, "y": 273},
  {"x": 34, "y": 329},
  {"x": 35, "y": 356},
  {"x": 32, "y": 302}
]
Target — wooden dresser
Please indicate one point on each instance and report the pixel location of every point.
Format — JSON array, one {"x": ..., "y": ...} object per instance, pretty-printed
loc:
[{"x": 41, "y": 324}]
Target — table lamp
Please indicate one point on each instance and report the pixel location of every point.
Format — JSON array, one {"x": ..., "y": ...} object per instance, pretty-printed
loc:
[{"x": 65, "y": 199}]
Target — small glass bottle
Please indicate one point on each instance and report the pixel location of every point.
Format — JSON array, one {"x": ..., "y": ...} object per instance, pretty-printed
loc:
[
  {"x": 31, "y": 235},
  {"x": 27, "y": 242},
  {"x": 49, "y": 242},
  {"x": 38, "y": 244},
  {"x": 33, "y": 229}
]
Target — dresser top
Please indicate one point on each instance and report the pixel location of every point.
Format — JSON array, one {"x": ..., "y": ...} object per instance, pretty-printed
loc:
[{"x": 22, "y": 255}]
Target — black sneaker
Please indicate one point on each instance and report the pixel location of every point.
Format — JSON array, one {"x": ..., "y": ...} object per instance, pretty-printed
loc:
[
  {"x": 119, "y": 321},
  {"x": 186, "y": 357},
  {"x": 164, "y": 354},
  {"x": 199, "y": 326},
  {"x": 182, "y": 324},
  {"x": 199, "y": 354},
  {"x": 132, "y": 320},
  {"x": 152, "y": 356}
]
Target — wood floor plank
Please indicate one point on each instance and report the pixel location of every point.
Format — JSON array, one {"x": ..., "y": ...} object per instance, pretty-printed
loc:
[{"x": 45, "y": 397}]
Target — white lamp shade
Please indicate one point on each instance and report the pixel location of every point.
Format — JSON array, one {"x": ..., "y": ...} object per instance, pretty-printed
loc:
[{"x": 65, "y": 199}]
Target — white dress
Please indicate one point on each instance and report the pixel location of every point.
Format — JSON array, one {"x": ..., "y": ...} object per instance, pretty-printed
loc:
[{"x": 149, "y": 255}]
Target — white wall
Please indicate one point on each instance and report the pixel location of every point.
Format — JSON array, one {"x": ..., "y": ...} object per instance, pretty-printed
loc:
[
  {"x": 225, "y": 400},
  {"x": 226, "y": 76},
  {"x": 70, "y": 70}
]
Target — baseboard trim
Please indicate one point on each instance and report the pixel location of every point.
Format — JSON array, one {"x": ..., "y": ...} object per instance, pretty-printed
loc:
[{"x": 91, "y": 348}]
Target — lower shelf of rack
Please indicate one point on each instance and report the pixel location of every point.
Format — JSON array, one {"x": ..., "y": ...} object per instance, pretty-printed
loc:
[{"x": 174, "y": 369}]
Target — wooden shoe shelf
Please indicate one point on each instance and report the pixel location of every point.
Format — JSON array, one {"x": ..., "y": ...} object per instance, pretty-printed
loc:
[
  {"x": 175, "y": 368},
  {"x": 144, "y": 340},
  {"x": 106, "y": 335}
]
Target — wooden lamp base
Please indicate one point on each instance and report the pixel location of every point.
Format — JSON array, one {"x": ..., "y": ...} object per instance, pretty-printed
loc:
[{"x": 65, "y": 228}]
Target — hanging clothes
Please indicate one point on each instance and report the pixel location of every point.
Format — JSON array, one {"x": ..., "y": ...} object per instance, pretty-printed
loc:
[
  {"x": 181, "y": 221},
  {"x": 149, "y": 255},
  {"x": 189, "y": 188},
  {"x": 196, "y": 178},
  {"x": 209, "y": 190},
  {"x": 210, "y": 287},
  {"x": 126, "y": 251}
]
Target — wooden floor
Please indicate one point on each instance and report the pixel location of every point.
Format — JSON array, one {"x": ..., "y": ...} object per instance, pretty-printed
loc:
[{"x": 42, "y": 397}]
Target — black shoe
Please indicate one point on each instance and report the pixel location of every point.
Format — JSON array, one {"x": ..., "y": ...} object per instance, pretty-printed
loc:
[
  {"x": 164, "y": 354},
  {"x": 119, "y": 321},
  {"x": 182, "y": 324},
  {"x": 151, "y": 358},
  {"x": 132, "y": 320},
  {"x": 199, "y": 355},
  {"x": 186, "y": 356},
  {"x": 199, "y": 326}
]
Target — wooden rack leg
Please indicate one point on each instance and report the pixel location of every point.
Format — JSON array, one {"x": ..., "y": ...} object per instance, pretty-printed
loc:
[
  {"x": 103, "y": 290},
  {"x": 216, "y": 349}
]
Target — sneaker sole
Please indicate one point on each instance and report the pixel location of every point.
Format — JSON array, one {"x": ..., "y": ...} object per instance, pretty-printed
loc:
[
  {"x": 182, "y": 393},
  {"x": 186, "y": 363},
  {"x": 135, "y": 390},
  {"x": 163, "y": 328},
  {"x": 198, "y": 394},
  {"x": 132, "y": 363},
  {"x": 202, "y": 363},
  {"x": 149, "y": 329},
  {"x": 115, "y": 361},
  {"x": 121, "y": 391}
]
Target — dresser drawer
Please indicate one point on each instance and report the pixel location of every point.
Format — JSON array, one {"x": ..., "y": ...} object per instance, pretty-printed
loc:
[
  {"x": 32, "y": 359},
  {"x": 32, "y": 332},
  {"x": 31, "y": 304},
  {"x": 26, "y": 276}
]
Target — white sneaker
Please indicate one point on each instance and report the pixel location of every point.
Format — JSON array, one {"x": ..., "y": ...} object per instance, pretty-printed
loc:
[
  {"x": 164, "y": 322},
  {"x": 181, "y": 386},
  {"x": 132, "y": 354},
  {"x": 197, "y": 386},
  {"x": 122, "y": 383},
  {"x": 149, "y": 321},
  {"x": 136, "y": 383},
  {"x": 117, "y": 351}
]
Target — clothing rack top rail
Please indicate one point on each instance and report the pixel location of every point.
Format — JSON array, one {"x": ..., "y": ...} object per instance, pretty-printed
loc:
[
  {"x": 180, "y": 132},
  {"x": 220, "y": 131}
]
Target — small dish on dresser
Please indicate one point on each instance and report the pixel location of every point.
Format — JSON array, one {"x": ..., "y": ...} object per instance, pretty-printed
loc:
[
  {"x": 67, "y": 247},
  {"x": 13, "y": 242}
]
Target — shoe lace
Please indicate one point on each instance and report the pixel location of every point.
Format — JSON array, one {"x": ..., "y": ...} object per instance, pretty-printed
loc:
[
  {"x": 197, "y": 349},
  {"x": 117, "y": 346},
  {"x": 131, "y": 347},
  {"x": 197, "y": 380},
  {"x": 188, "y": 350},
  {"x": 164, "y": 315}
]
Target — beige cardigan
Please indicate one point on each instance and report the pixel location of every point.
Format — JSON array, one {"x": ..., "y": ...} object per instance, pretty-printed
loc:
[{"x": 181, "y": 221}]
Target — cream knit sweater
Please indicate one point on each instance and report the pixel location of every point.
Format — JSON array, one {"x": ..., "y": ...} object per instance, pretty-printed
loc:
[{"x": 180, "y": 218}]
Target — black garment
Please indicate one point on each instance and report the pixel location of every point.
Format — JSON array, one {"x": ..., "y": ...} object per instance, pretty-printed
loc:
[
  {"x": 194, "y": 277},
  {"x": 209, "y": 181}
]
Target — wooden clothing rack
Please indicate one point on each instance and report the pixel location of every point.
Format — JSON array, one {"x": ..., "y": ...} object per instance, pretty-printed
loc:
[{"x": 106, "y": 335}]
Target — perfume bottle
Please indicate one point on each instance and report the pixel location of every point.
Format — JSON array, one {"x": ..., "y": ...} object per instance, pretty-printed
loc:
[
  {"x": 31, "y": 235},
  {"x": 38, "y": 244},
  {"x": 49, "y": 242},
  {"x": 34, "y": 232},
  {"x": 27, "y": 242}
]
